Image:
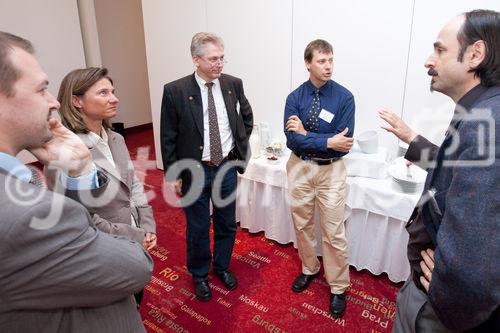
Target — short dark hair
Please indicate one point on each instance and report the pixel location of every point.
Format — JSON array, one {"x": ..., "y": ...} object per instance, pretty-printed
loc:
[
  {"x": 318, "y": 44},
  {"x": 9, "y": 74},
  {"x": 482, "y": 25},
  {"x": 77, "y": 83}
]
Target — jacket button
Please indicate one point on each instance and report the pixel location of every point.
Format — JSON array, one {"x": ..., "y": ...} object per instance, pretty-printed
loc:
[{"x": 201, "y": 147}]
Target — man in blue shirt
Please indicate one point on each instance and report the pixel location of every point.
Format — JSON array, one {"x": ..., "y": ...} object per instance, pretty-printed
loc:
[{"x": 319, "y": 124}]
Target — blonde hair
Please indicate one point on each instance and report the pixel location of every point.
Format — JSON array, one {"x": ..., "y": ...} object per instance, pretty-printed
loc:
[
  {"x": 202, "y": 38},
  {"x": 76, "y": 83}
]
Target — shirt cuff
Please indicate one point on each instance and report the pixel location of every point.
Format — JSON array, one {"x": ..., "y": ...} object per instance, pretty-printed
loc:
[{"x": 87, "y": 181}]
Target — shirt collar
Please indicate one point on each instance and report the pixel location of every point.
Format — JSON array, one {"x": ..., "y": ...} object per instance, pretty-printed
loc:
[
  {"x": 323, "y": 90},
  {"x": 95, "y": 139},
  {"x": 202, "y": 82},
  {"x": 15, "y": 167},
  {"x": 471, "y": 97}
]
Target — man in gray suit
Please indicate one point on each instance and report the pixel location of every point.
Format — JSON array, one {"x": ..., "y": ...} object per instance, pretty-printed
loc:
[{"x": 57, "y": 272}]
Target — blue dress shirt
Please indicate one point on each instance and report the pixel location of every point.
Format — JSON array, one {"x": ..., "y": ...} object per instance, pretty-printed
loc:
[
  {"x": 16, "y": 168},
  {"x": 334, "y": 99}
]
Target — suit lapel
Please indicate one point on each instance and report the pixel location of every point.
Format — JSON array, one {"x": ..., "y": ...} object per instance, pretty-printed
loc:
[
  {"x": 117, "y": 151},
  {"x": 229, "y": 96},
  {"x": 99, "y": 159},
  {"x": 195, "y": 104}
]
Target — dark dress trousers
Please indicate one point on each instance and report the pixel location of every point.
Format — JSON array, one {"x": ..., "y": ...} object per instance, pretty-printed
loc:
[{"x": 182, "y": 140}]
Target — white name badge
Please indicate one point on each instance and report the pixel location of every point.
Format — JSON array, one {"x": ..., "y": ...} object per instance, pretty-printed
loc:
[{"x": 326, "y": 116}]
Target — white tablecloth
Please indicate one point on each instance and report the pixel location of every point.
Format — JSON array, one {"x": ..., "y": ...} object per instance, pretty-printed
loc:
[{"x": 376, "y": 214}]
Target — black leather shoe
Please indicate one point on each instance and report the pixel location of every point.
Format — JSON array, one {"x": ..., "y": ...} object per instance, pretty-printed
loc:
[
  {"x": 228, "y": 279},
  {"x": 337, "y": 305},
  {"x": 202, "y": 290},
  {"x": 302, "y": 282}
]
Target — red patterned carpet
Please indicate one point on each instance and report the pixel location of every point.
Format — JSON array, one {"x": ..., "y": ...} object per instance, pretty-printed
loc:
[{"x": 263, "y": 301}]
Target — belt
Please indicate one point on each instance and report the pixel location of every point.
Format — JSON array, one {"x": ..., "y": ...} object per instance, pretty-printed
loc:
[
  {"x": 318, "y": 161},
  {"x": 212, "y": 164},
  {"x": 231, "y": 156}
]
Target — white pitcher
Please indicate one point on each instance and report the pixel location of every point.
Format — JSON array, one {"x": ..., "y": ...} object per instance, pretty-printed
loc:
[
  {"x": 265, "y": 135},
  {"x": 254, "y": 142}
]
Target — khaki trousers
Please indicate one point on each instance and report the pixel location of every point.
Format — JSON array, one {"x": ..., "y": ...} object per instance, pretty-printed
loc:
[{"x": 310, "y": 184}]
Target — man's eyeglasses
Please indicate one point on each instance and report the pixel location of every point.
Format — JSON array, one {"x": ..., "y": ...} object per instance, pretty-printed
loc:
[{"x": 215, "y": 61}]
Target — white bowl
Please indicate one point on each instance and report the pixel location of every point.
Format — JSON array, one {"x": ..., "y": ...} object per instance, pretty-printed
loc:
[
  {"x": 407, "y": 179},
  {"x": 368, "y": 142}
]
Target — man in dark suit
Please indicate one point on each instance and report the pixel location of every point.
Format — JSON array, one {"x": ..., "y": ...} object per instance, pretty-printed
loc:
[
  {"x": 206, "y": 122},
  {"x": 454, "y": 247},
  {"x": 57, "y": 272}
]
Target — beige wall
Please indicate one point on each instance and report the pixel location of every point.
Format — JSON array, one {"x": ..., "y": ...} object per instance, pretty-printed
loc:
[
  {"x": 54, "y": 29},
  {"x": 121, "y": 39}
]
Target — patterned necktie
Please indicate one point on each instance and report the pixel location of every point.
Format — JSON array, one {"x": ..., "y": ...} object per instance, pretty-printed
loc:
[
  {"x": 36, "y": 178},
  {"x": 312, "y": 122},
  {"x": 213, "y": 128}
]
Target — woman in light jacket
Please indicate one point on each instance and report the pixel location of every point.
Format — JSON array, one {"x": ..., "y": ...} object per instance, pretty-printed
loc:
[{"x": 88, "y": 102}]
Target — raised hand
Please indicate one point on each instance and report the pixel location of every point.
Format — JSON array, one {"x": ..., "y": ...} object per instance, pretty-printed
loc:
[{"x": 397, "y": 126}]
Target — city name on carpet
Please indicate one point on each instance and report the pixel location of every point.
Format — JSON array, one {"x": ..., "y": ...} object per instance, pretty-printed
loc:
[
  {"x": 195, "y": 315},
  {"x": 199, "y": 317},
  {"x": 224, "y": 303},
  {"x": 259, "y": 257},
  {"x": 270, "y": 327},
  {"x": 247, "y": 300},
  {"x": 160, "y": 253},
  {"x": 170, "y": 274},
  {"x": 156, "y": 314},
  {"x": 187, "y": 293},
  {"x": 246, "y": 260},
  {"x": 165, "y": 285},
  {"x": 168, "y": 312},
  {"x": 363, "y": 294},
  {"x": 374, "y": 318},
  {"x": 385, "y": 312},
  {"x": 281, "y": 254},
  {"x": 152, "y": 290},
  {"x": 297, "y": 313},
  {"x": 325, "y": 313},
  {"x": 169, "y": 324}
]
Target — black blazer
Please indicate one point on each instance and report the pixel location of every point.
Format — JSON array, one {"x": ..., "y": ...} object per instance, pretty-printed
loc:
[{"x": 181, "y": 125}]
